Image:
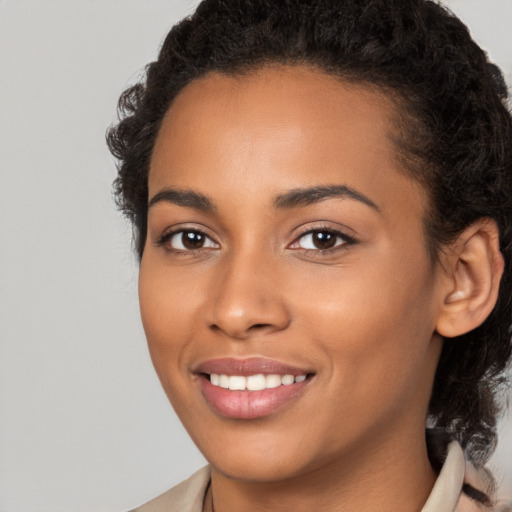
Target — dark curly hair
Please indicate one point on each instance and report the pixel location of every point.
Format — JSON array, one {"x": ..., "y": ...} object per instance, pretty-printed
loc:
[{"x": 455, "y": 138}]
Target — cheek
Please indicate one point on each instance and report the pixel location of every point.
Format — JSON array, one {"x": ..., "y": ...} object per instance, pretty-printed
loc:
[
  {"x": 168, "y": 319},
  {"x": 371, "y": 318},
  {"x": 168, "y": 311},
  {"x": 169, "y": 301}
]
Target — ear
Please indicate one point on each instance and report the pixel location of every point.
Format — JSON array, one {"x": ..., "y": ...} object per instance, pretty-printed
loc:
[{"x": 473, "y": 266}]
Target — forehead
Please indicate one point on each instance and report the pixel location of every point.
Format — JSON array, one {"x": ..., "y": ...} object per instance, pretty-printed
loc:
[
  {"x": 278, "y": 98},
  {"x": 303, "y": 126}
]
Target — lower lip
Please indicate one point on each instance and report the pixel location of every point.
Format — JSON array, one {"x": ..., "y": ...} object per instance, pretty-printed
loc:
[{"x": 250, "y": 404}]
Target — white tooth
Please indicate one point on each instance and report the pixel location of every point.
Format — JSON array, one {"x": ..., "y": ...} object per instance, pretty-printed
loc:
[
  {"x": 256, "y": 382},
  {"x": 287, "y": 379},
  {"x": 300, "y": 378},
  {"x": 273, "y": 381},
  {"x": 214, "y": 379},
  {"x": 224, "y": 381},
  {"x": 236, "y": 382}
]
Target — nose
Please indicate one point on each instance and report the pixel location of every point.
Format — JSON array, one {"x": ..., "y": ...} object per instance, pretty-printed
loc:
[{"x": 246, "y": 298}]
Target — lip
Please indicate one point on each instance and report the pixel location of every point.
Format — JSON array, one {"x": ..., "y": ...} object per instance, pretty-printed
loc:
[
  {"x": 250, "y": 404},
  {"x": 249, "y": 366}
]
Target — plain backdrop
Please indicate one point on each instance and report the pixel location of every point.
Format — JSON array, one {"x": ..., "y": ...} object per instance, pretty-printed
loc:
[{"x": 84, "y": 425}]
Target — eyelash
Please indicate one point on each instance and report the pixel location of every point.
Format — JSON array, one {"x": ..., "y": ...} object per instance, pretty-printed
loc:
[
  {"x": 342, "y": 241},
  {"x": 166, "y": 238},
  {"x": 345, "y": 239}
]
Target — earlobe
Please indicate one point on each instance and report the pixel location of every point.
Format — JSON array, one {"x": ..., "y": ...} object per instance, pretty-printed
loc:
[{"x": 473, "y": 269}]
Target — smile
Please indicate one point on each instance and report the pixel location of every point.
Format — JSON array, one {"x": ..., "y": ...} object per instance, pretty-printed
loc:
[
  {"x": 254, "y": 382},
  {"x": 250, "y": 388}
]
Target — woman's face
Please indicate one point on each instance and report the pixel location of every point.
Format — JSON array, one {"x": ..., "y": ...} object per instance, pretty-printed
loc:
[{"x": 286, "y": 254}]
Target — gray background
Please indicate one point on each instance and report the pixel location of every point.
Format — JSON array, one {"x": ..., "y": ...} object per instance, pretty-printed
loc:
[{"x": 84, "y": 425}]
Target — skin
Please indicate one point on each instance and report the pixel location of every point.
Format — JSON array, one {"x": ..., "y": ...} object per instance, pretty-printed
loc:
[{"x": 361, "y": 317}]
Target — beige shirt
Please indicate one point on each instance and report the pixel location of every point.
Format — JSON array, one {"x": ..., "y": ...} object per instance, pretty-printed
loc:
[{"x": 188, "y": 496}]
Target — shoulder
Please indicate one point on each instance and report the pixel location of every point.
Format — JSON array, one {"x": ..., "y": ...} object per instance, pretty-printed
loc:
[{"x": 187, "y": 496}]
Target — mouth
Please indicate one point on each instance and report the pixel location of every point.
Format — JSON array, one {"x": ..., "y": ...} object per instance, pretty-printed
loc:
[
  {"x": 250, "y": 388},
  {"x": 256, "y": 382}
]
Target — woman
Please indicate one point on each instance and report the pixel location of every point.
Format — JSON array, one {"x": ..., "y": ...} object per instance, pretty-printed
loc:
[{"x": 321, "y": 195}]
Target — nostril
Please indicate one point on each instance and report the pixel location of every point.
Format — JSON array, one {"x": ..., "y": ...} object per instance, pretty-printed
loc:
[
  {"x": 240, "y": 320},
  {"x": 240, "y": 331}
]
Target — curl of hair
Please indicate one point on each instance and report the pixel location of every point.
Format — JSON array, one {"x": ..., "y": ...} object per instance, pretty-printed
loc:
[{"x": 454, "y": 135}]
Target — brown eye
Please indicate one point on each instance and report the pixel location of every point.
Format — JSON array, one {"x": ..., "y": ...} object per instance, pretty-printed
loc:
[
  {"x": 189, "y": 240},
  {"x": 192, "y": 239},
  {"x": 321, "y": 240}
]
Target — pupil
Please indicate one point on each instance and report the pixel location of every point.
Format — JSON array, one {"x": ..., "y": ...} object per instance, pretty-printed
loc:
[
  {"x": 192, "y": 240},
  {"x": 324, "y": 240}
]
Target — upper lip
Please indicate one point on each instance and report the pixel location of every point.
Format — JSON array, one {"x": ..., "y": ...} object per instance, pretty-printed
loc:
[{"x": 249, "y": 366}]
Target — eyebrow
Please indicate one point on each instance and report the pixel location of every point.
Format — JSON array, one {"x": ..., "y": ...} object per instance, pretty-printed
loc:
[
  {"x": 187, "y": 198},
  {"x": 292, "y": 199},
  {"x": 306, "y": 196}
]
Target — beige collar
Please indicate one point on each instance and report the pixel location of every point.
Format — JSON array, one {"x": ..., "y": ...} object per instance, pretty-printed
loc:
[{"x": 446, "y": 491}]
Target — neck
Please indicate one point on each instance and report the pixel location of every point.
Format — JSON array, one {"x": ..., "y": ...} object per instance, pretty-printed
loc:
[{"x": 383, "y": 476}]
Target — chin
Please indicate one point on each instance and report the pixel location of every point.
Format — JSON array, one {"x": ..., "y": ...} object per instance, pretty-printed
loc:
[
  {"x": 258, "y": 451},
  {"x": 257, "y": 467}
]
